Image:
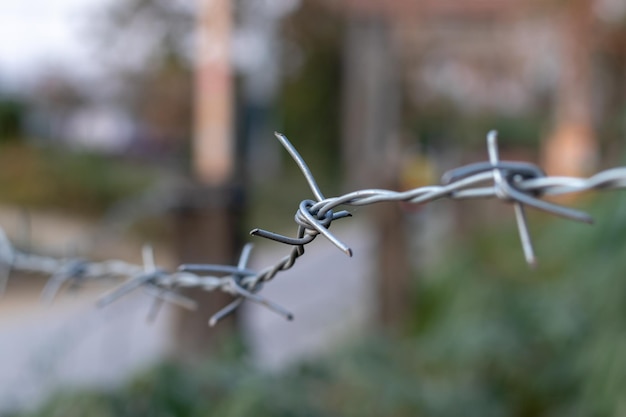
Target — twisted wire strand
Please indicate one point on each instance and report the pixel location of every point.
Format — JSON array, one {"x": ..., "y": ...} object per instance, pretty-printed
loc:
[{"x": 520, "y": 183}]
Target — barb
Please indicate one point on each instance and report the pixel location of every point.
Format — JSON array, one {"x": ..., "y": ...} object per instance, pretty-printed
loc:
[
  {"x": 234, "y": 284},
  {"x": 519, "y": 183},
  {"x": 314, "y": 223}
]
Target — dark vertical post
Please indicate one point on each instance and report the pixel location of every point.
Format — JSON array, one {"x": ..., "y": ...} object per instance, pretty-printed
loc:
[
  {"x": 207, "y": 225},
  {"x": 371, "y": 152},
  {"x": 572, "y": 148}
]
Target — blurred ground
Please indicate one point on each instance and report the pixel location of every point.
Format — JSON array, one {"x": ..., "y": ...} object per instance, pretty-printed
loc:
[
  {"x": 332, "y": 298},
  {"x": 486, "y": 337},
  {"x": 72, "y": 343}
]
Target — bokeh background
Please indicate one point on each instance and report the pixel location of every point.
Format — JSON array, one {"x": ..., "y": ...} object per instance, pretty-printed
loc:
[{"x": 132, "y": 121}]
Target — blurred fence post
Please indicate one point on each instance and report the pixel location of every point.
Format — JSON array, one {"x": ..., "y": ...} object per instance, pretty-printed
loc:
[
  {"x": 571, "y": 149},
  {"x": 372, "y": 149},
  {"x": 207, "y": 226},
  {"x": 206, "y": 231}
]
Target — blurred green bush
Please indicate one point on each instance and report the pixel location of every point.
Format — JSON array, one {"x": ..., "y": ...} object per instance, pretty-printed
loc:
[
  {"x": 12, "y": 113},
  {"x": 488, "y": 337},
  {"x": 50, "y": 177}
]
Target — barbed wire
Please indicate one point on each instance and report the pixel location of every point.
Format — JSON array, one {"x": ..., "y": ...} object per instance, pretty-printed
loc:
[{"x": 520, "y": 183}]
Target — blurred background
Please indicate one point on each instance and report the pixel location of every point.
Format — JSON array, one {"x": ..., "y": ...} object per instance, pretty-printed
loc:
[{"x": 132, "y": 121}]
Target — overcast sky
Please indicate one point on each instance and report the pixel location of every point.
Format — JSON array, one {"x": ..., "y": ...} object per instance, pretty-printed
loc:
[
  {"x": 38, "y": 34},
  {"x": 35, "y": 33}
]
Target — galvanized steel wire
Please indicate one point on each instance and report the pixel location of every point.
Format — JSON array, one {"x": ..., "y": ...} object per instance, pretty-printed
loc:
[{"x": 520, "y": 183}]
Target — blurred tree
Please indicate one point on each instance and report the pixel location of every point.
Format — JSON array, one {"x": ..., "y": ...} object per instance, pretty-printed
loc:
[
  {"x": 53, "y": 99},
  {"x": 162, "y": 103},
  {"x": 612, "y": 59},
  {"x": 310, "y": 99},
  {"x": 146, "y": 46},
  {"x": 372, "y": 149},
  {"x": 12, "y": 113},
  {"x": 133, "y": 34},
  {"x": 209, "y": 233},
  {"x": 572, "y": 147}
]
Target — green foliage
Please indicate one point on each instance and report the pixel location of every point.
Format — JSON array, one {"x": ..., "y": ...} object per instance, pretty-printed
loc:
[
  {"x": 549, "y": 342},
  {"x": 11, "y": 119},
  {"x": 120, "y": 23},
  {"x": 432, "y": 124},
  {"x": 83, "y": 182},
  {"x": 489, "y": 338},
  {"x": 310, "y": 99},
  {"x": 155, "y": 83}
]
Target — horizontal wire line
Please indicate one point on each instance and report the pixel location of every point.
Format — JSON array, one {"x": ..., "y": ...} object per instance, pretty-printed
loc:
[{"x": 520, "y": 183}]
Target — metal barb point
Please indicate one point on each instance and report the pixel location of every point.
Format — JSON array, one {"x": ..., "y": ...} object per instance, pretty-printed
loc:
[
  {"x": 304, "y": 217},
  {"x": 245, "y": 256},
  {"x": 147, "y": 255},
  {"x": 259, "y": 299},
  {"x": 7, "y": 258},
  {"x": 313, "y": 223},
  {"x": 155, "y": 308},
  {"x": 217, "y": 317},
  {"x": 502, "y": 191},
  {"x": 301, "y": 164},
  {"x": 71, "y": 271},
  {"x": 281, "y": 238},
  {"x": 303, "y": 240},
  {"x": 123, "y": 289},
  {"x": 149, "y": 274}
]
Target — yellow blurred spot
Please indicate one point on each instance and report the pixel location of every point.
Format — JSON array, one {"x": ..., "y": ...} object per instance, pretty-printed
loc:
[{"x": 417, "y": 171}]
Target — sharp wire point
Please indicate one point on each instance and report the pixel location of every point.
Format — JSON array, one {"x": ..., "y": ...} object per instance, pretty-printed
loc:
[
  {"x": 147, "y": 254},
  {"x": 259, "y": 299},
  {"x": 527, "y": 245},
  {"x": 308, "y": 175},
  {"x": 7, "y": 259},
  {"x": 504, "y": 190},
  {"x": 170, "y": 296},
  {"x": 123, "y": 289},
  {"x": 51, "y": 289},
  {"x": 155, "y": 308},
  {"x": 231, "y": 307},
  {"x": 245, "y": 256}
]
